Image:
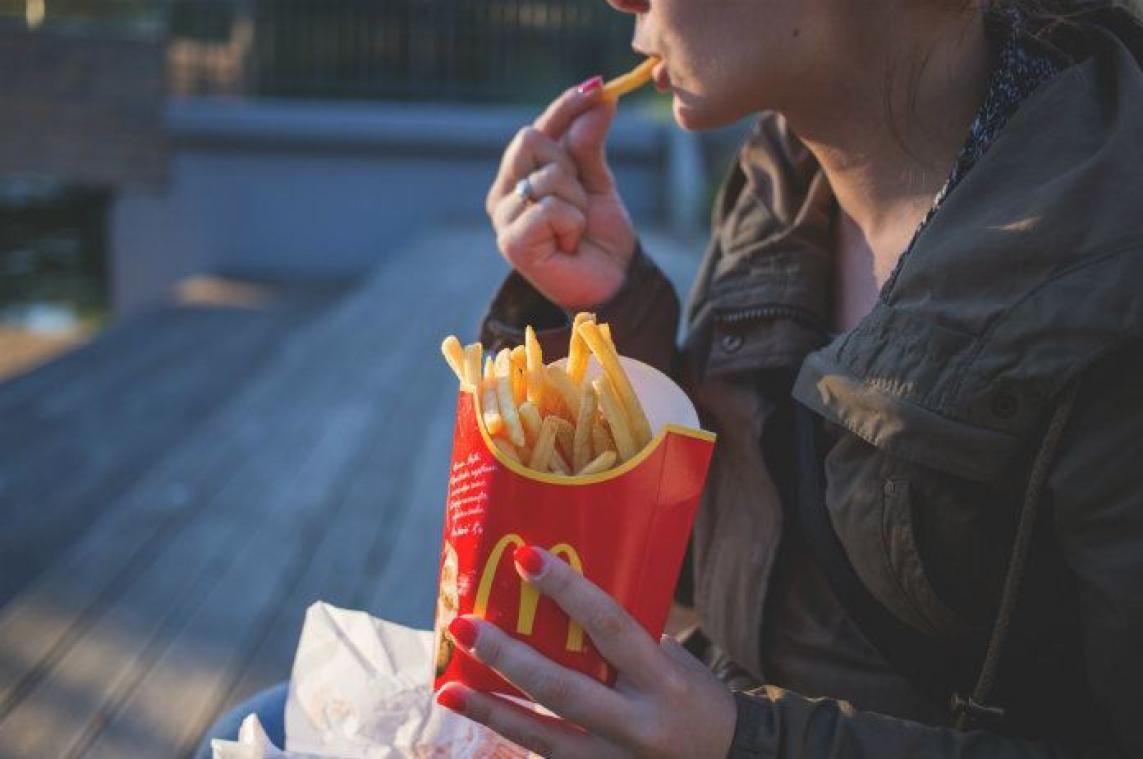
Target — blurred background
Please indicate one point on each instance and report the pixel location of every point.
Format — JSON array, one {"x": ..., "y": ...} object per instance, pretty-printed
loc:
[{"x": 232, "y": 236}]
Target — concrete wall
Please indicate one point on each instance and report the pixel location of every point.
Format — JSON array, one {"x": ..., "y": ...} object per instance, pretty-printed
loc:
[{"x": 325, "y": 189}]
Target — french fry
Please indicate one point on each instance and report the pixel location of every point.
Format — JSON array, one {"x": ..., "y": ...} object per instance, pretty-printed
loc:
[
  {"x": 631, "y": 81},
  {"x": 544, "y": 447},
  {"x": 454, "y": 355},
  {"x": 605, "y": 353},
  {"x": 534, "y": 356},
  {"x": 616, "y": 419},
  {"x": 558, "y": 465},
  {"x": 565, "y": 436},
  {"x": 565, "y": 389},
  {"x": 508, "y": 411},
  {"x": 531, "y": 420},
  {"x": 601, "y": 441},
  {"x": 490, "y": 408},
  {"x": 585, "y": 419},
  {"x": 472, "y": 357},
  {"x": 577, "y": 349},
  {"x": 503, "y": 363},
  {"x": 600, "y": 463},
  {"x": 508, "y": 449},
  {"x": 519, "y": 374}
]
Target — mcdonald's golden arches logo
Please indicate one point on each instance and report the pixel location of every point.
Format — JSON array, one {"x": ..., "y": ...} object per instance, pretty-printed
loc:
[{"x": 529, "y": 596}]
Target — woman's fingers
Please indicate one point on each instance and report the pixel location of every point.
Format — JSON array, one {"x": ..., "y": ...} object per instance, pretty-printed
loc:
[
  {"x": 542, "y": 735},
  {"x": 570, "y": 694},
  {"x": 551, "y": 180},
  {"x": 616, "y": 635},
  {"x": 528, "y": 230},
  {"x": 529, "y": 150},
  {"x": 558, "y": 117},
  {"x": 555, "y": 179}
]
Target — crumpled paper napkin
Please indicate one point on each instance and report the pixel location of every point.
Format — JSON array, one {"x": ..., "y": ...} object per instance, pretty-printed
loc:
[{"x": 360, "y": 689}]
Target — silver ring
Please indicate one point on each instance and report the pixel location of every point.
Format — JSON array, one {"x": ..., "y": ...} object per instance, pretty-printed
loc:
[{"x": 525, "y": 191}]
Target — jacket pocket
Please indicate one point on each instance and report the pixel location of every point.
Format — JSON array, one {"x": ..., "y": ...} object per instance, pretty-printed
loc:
[
  {"x": 904, "y": 563},
  {"x": 870, "y": 496}
]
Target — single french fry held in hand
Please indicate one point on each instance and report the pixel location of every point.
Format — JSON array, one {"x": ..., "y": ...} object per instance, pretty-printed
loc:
[
  {"x": 631, "y": 81},
  {"x": 585, "y": 420},
  {"x": 616, "y": 419},
  {"x": 608, "y": 359}
]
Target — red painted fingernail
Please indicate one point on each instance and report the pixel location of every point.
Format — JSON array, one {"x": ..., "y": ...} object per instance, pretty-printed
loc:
[
  {"x": 463, "y": 632},
  {"x": 590, "y": 85},
  {"x": 452, "y": 698},
  {"x": 529, "y": 559}
]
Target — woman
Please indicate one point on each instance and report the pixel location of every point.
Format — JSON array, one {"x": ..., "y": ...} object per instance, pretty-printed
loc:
[{"x": 925, "y": 511}]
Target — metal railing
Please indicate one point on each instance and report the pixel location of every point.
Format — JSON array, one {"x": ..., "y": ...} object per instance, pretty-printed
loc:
[{"x": 466, "y": 50}]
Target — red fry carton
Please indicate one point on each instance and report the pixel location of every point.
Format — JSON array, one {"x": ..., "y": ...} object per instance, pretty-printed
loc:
[{"x": 626, "y": 530}]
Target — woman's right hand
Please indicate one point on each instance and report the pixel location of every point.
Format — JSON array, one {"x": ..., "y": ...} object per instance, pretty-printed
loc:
[{"x": 573, "y": 242}]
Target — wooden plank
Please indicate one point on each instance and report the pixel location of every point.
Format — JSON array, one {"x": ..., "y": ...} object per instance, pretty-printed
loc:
[
  {"x": 191, "y": 684},
  {"x": 274, "y": 473},
  {"x": 46, "y": 512},
  {"x": 162, "y": 503},
  {"x": 113, "y": 353}
]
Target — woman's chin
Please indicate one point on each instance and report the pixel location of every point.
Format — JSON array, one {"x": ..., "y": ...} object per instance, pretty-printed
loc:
[{"x": 693, "y": 117}]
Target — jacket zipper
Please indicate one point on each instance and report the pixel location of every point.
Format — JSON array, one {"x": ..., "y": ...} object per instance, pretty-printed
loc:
[{"x": 757, "y": 313}]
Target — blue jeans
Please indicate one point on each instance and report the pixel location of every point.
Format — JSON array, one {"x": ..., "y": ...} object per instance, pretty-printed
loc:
[{"x": 269, "y": 705}]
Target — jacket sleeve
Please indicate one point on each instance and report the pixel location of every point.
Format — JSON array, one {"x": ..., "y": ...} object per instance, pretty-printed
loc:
[
  {"x": 1096, "y": 488},
  {"x": 643, "y": 315}
]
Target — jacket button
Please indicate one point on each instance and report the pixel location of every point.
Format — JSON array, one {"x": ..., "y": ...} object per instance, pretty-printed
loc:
[
  {"x": 731, "y": 343},
  {"x": 1004, "y": 404}
]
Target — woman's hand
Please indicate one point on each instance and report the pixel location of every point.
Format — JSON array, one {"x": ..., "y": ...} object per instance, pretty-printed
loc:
[
  {"x": 572, "y": 239},
  {"x": 665, "y": 702}
]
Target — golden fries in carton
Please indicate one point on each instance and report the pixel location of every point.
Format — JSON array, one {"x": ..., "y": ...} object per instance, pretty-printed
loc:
[{"x": 597, "y": 458}]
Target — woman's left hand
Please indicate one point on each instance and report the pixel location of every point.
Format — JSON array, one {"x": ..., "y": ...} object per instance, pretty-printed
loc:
[{"x": 664, "y": 702}]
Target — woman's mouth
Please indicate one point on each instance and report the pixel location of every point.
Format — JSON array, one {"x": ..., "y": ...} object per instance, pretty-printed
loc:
[{"x": 660, "y": 76}]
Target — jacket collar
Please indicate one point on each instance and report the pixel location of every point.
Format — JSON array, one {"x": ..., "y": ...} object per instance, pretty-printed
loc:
[{"x": 1026, "y": 275}]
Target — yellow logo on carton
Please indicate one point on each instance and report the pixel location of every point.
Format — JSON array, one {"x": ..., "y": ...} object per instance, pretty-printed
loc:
[{"x": 529, "y": 596}]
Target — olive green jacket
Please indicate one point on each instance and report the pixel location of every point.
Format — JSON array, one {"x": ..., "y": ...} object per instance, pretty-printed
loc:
[{"x": 1029, "y": 278}]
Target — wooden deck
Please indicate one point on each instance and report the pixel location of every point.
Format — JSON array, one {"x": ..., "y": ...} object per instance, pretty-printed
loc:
[{"x": 175, "y": 494}]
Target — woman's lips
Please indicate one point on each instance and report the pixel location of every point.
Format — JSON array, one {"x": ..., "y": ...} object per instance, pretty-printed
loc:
[{"x": 660, "y": 76}]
